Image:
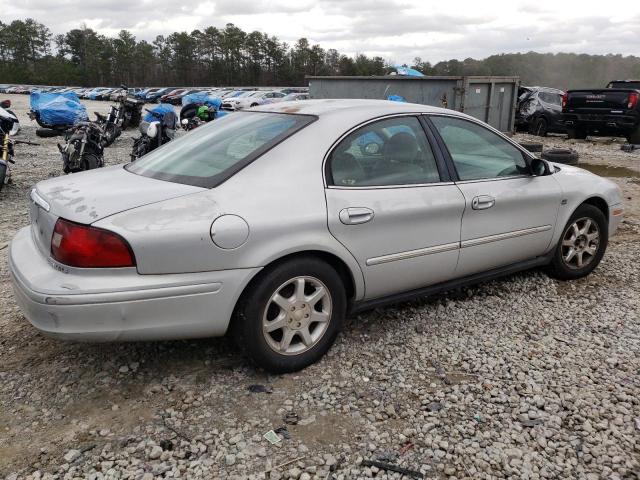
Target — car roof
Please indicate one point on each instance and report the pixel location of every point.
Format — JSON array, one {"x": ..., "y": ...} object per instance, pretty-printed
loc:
[
  {"x": 356, "y": 107},
  {"x": 545, "y": 89}
]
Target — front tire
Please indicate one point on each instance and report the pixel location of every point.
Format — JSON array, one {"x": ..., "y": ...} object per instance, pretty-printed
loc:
[
  {"x": 111, "y": 132},
  {"x": 290, "y": 315},
  {"x": 582, "y": 244}
]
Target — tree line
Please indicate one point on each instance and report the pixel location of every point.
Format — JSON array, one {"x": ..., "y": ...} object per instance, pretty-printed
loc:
[{"x": 30, "y": 53}]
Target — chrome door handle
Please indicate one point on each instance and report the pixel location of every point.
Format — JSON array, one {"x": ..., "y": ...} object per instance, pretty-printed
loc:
[
  {"x": 482, "y": 202},
  {"x": 355, "y": 215}
]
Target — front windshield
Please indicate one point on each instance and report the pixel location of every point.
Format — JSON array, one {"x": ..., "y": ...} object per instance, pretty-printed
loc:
[{"x": 210, "y": 154}]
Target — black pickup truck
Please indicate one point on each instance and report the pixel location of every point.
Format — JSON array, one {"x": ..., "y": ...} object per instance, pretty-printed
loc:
[{"x": 612, "y": 111}]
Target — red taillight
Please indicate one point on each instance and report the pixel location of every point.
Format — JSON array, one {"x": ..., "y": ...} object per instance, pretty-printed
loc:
[
  {"x": 633, "y": 100},
  {"x": 565, "y": 97},
  {"x": 83, "y": 246}
]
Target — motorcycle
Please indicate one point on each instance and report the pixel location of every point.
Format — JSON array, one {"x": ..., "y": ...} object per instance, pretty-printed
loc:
[
  {"x": 110, "y": 124},
  {"x": 203, "y": 114},
  {"x": 127, "y": 113},
  {"x": 9, "y": 125},
  {"x": 84, "y": 147},
  {"x": 129, "y": 109},
  {"x": 158, "y": 128}
]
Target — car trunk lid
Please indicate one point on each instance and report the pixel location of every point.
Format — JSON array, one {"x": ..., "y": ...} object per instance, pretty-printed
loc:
[
  {"x": 609, "y": 99},
  {"x": 91, "y": 196}
]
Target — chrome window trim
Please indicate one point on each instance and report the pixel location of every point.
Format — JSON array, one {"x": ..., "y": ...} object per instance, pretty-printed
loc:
[
  {"x": 335, "y": 144},
  {"x": 504, "y": 236},
  {"x": 447, "y": 247},
  {"x": 384, "y": 187},
  {"x": 412, "y": 254},
  {"x": 495, "y": 179}
]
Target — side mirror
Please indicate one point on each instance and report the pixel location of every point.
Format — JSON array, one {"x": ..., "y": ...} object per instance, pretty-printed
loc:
[{"x": 539, "y": 167}]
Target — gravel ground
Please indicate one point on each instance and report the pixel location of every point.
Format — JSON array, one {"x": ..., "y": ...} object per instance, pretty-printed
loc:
[{"x": 522, "y": 378}]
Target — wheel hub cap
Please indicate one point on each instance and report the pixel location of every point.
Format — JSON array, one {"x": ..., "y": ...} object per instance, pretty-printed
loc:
[
  {"x": 580, "y": 243},
  {"x": 297, "y": 315}
]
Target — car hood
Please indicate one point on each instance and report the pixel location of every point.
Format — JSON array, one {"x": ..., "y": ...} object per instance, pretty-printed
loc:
[{"x": 87, "y": 197}]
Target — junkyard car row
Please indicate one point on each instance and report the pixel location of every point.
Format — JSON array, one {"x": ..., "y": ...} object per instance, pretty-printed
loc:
[{"x": 524, "y": 376}]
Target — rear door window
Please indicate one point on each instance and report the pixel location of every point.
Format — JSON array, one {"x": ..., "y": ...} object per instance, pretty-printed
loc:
[
  {"x": 212, "y": 153},
  {"x": 388, "y": 152}
]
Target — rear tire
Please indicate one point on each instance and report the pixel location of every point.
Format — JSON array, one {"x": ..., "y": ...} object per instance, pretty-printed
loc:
[
  {"x": 305, "y": 329},
  {"x": 136, "y": 117},
  {"x": 3, "y": 174},
  {"x": 89, "y": 161},
  {"x": 577, "y": 133},
  {"x": 580, "y": 237},
  {"x": 540, "y": 127},
  {"x": 48, "y": 132},
  {"x": 634, "y": 137}
]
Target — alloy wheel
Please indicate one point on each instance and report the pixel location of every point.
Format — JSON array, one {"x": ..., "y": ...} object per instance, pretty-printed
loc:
[
  {"x": 580, "y": 243},
  {"x": 297, "y": 315}
]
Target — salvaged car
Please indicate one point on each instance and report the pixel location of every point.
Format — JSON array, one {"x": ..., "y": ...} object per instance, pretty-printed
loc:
[
  {"x": 614, "y": 111},
  {"x": 539, "y": 110},
  {"x": 275, "y": 223},
  {"x": 252, "y": 99}
]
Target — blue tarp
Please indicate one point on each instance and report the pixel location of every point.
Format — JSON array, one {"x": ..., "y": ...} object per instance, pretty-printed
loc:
[
  {"x": 58, "y": 109},
  {"x": 161, "y": 109},
  {"x": 202, "y": 98},
  {"x": 163, "y": 113},
  {"x": 410, "y": 72}
]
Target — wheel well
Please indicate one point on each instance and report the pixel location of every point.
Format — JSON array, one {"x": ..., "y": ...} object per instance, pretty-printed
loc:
[
  {"x": 333, "y": 260},
  {"x": 600, "y": 204}
]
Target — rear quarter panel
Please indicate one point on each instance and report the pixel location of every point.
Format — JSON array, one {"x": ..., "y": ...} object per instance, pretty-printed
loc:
[{"x": 280, "y": 196}]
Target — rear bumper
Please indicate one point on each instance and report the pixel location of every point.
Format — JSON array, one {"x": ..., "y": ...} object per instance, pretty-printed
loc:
[
  {"x": 602, "y": 122},
  {"x": 120, "y": 304}
]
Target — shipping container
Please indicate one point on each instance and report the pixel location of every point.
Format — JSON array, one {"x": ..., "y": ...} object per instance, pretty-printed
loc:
[{"x": 488, "y": 98}]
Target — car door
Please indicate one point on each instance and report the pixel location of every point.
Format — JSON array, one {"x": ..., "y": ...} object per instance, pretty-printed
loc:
[
  {"x": 509, "y": 214},
  {"x": 390, "y": 203}
]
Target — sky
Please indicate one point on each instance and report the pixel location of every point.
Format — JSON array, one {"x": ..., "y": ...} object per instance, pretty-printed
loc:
[{"x": 397, "y": 30}]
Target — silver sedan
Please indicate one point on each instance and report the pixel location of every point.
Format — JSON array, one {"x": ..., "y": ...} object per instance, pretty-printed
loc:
[{"x": 273, "y": 224}]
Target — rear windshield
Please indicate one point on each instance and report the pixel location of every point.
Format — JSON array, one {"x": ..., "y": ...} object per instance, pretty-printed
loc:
[
  {"x": 627, "y": 85},
  {"x": 212, "y": 153}
]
